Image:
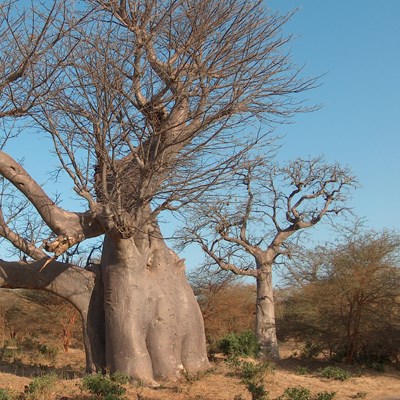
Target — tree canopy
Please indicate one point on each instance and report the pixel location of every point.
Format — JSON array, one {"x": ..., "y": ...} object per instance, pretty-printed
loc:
[{"x": 348, "y": 302}]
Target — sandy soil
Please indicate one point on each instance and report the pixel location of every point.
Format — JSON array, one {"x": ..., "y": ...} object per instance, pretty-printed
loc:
[{"x": 218, "y": 384}]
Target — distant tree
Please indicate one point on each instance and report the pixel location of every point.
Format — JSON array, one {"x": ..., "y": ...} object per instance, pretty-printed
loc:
[
  {"x": 147, "y": 105},
  {"x": 351, "y": 307},
  {"x": 246, "y": 228}
]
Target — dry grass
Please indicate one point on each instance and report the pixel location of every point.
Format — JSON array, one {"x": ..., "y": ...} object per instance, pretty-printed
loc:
[
  {"x": 45, "y": 326},
  {"x": 218, "y": 384}
]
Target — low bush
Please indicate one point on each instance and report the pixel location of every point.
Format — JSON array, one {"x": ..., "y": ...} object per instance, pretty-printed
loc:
[
  {"x": 105, "y": 387},
  {"x": 239, "y": 344},
  {"x": 325, "y": 395},
  {"x": 302, "y": 370},
  {"x": 302, "y": 393},
  {"x": 4, "y": 395},
  {"x": 48, "y": 351},
  {"x": 296, "y": 393},
  {"x": 252, "y": 375},
  {"x": 336, "y": 373},
  {"x": 311, "y": 350},
  {"x": 40, "y": 388}
]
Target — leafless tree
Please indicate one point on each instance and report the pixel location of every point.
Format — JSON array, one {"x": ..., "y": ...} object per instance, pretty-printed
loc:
[
  {"x": 247, "y": 227},
  {"x": 149, "y": 104}
]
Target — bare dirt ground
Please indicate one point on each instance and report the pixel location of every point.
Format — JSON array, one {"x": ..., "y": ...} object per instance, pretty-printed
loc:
[{"x": 220, "y": 383}]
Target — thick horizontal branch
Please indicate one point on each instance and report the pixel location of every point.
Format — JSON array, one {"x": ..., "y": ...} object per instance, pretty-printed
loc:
[{"x": 72, "y": 283}]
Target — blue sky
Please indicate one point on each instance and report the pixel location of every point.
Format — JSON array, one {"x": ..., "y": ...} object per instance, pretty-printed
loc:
[{"x": 356, "y": 44}]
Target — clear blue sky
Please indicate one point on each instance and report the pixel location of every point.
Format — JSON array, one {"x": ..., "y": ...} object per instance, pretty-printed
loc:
[{"x": 356, "y": 44}]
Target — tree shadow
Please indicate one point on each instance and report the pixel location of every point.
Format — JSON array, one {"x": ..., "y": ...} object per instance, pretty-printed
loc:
[{"x": 31, "y": 370}]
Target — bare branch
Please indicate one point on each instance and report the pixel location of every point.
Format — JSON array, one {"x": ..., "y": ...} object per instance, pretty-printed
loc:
[
  {"x": 72, "y": 227},
  {"x": 275, "y": 204},
  {"x": 72, "y": 283},
  {"x": 20, "y": 243}
]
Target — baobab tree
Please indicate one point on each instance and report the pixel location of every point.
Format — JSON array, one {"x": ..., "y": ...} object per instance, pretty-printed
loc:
[
  {"x": 248, "y": 227},
  {"x": 145, "y": 103}
]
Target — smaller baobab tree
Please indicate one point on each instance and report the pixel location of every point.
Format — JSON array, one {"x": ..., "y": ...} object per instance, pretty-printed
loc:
[{"x": 248, "y": 227}]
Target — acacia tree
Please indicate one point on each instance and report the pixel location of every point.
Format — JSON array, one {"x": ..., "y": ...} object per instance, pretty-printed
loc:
[
  {"x": 145, "y": 104},
  {"x": 247, "y": 227},
  {"x": 350, "y": 306}
]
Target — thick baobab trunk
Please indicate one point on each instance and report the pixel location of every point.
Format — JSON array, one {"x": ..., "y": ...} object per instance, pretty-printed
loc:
[
  {"x": 153, "y": 323},
  {"x": 265, "y": 315}
]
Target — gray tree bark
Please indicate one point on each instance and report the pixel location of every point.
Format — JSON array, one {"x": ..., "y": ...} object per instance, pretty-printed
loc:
[
  {"x": 265, "y": 315},
  {"x": 153, "y": 323}
]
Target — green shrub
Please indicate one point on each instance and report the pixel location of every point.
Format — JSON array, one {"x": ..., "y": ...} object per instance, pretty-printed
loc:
[
  {"x": 302, "y": 370},
  {"x": 252, "y": 375},
  {"x": 242, "y": 344},
  {"x": 48, "y": 350},
  {"x": 4, "y": 395},
  {"x": 249, "y": 369},
  {"x": 336, "y": 373},
  {"x": 257, "y": 391},
  {"x": 39, "y": 388},
  {"x": 8, "y": 354},
  {"x": 104, "y": 386},
  {"x": 120, "y": 377},
  {"x": 296, "y": 393},
  {"x": 325, "y": 395},
  {"x": 311, "y": 350}
]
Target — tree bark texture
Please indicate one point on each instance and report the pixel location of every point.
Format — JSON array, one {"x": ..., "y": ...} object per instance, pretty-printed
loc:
[
  {"x": 153, "y": 323},
  {"x": 139, "y": 314},
  {"x": 265, "y": 315}
]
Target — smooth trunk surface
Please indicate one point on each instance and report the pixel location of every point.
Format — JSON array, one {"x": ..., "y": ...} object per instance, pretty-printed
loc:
[
  {"x": 153, "y": 323},
  {"x": 265, "y": 316}
]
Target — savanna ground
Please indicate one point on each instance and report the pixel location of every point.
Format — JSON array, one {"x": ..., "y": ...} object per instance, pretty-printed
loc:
[
  {"x": 221, "y": 382},
  {"x": 35, "y": 331}
]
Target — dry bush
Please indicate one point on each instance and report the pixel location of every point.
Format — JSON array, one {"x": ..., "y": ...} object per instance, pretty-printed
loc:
[
  {"x": 227, "y": 304},
  {"x": 39, "y": 315},
  {"x": 351, "y": 308}
]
